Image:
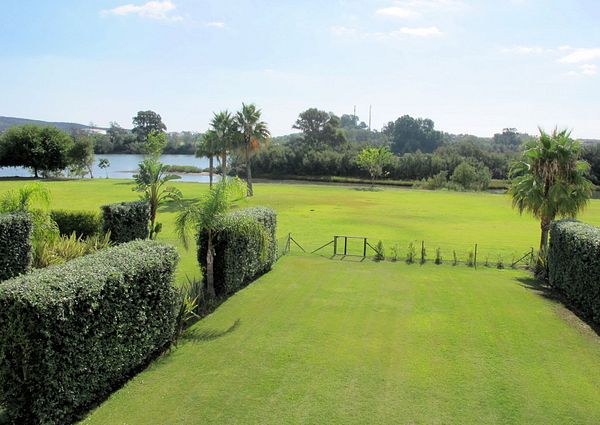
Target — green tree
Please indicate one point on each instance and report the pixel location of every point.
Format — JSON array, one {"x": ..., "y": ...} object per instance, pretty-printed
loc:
[
  {"x": 408, "y": 134},
  {"x": 470, "y": 175},
  {"x": 103, "y": 164},
  {"x": 254, "y": 133},
  {"x": 155, "y": 143},
  {"x": 146, "y": 122},
  {"x": 205, "y": 216},
  {"x": 151, "y": 179},
  {"x": 81, "y": 155},
  {"x": 320, "y": 129},
  {"x": 39, "y": 148},
  {"x": 227, "y": 136},
  {"x": 373, "y": 160},
  {"x": 208, "y": 148},
  {"x": 550, "y": 180}
]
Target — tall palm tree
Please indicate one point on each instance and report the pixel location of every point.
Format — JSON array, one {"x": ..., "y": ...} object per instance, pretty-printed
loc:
[
  {"x": 550, "y": 180},
  {"x": 227, "y": 136},
  {"x": 254, "y": 132},
  {"x": 205, "y": 215},
  {"x": 208, "y": 147},
  {"x": 151, "y": 179}
]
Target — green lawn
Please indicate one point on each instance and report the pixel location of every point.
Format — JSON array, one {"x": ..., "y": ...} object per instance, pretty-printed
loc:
[
  {"x": 314, "y": 213},
  {"x": 337, "y": 342}
]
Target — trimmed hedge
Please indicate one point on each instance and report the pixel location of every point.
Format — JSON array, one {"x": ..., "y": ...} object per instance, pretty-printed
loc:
[
  {"x": 83, "y": 223},
  {"x": 15, "y": 244},
  {"x": 126, "y": 221},
  {"x": 74, "y": 332},
  {"x": 238, "y": 259},
  {"x": 574, "y": 264}
]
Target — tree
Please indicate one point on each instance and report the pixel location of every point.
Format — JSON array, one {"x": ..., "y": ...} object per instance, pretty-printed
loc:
[
  {"x": 471, "y": 175},
  {"x": 120, "y": 140},
  {"x": 146, "y": 122},
  {"x": 155, "y": 143},
  {"x": 81, "y": 155},
  {"x": 373, "y": 160},
  {"x": 254, "y": 132},
  {"x": 39, "y": 148},
  {"x": 208, "y": 148},
  {"x": 320, "y": 129},
  {"x": 103, "y": 164},
  {"x": 205, "y": 216},
  {"x": 408, "y": 134},
  {"x": 227, "y": 136},
  {"x": 151, "y": 180},
  {"x": 549, "y": 180},
  {"x": 591, "y": 154}
]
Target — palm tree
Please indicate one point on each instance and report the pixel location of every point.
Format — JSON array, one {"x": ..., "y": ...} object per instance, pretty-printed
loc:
[
  {"x": 224, "y": 126},
  {"x": 151, "y": 179},
  {"x": 549, "y": 180},
  {"x": 253, "y": 132},
  {"x": 205, "y": 215},
  {"x": 208, "y": 148}
]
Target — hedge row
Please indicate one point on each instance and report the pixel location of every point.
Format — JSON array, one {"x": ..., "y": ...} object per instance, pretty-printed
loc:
[
  {"x": 72, "y": 333},
  {"x": 574, "y": 264},
  {"x": 126, "y": 221},
  {"x": 15, "y": 244},
  {"x": 82, "y": 223},
  {"x": 240, "y": 254}
]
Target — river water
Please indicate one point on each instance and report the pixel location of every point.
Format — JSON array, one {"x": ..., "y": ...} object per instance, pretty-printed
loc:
[{"x": 123, "y": 166}]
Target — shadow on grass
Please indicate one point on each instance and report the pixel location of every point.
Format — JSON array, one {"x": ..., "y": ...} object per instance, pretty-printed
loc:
[
  {"x": 198, "y": 335},
  {"x": 569, "y": 312},
  {"x": 367, "y": 189}
]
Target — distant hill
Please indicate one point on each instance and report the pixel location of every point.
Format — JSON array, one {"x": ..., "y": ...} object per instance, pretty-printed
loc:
[
  {"x": 7, "y": 122},
  {"x": 590, "y": 141}
]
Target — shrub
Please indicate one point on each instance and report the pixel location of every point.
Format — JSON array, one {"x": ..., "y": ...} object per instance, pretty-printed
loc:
[
  {"x": 15, "y": 244},
  {"x": 65, "y": 248},
  {"x": 379, "y": 252},
  {"x": 467, "y": 176},
  {"x": 423, "y": 254},
  {"x": 438, "y": 256},
  {"x": 470, "y": 259},
  {"x": 241, "y": 255},
  {"x": 500, "y": 263},
  {"x": 82, "y": 223},
  {"x": 574, "y": 264},
  {"x": 126, "y": 221},
  {"x": 438, "y": 181},
  {"x": 454, "y": 258},
  {"x": 394, "y": 253},
  {"x": 74, "y": 332},
  {"x": 411, "y": 253}
]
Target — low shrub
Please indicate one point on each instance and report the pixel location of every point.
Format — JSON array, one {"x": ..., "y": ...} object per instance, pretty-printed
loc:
[
  {"x": 395, "y": 252},
  {"x": 126, "y": 221},
  {"x": 411, "y": 253},
  {"x": 438, "y": 256},
  {"x": 574, "y": 265},
  {"x": 470, "y": 259},
  {"x": 82, "y": 223},
  {"x": 15, "y": 244},
  {"x": 379, "y": 252},
  {"x": 241, "y": 255},
  {"x": 64, "y": 248},
  {"x": 72, "y": 333}
]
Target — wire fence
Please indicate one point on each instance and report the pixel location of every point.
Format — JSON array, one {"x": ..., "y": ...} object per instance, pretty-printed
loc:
[{"x": 415, "y": 251}]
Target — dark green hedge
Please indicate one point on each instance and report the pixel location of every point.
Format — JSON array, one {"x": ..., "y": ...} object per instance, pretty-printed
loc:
[
  {"x": 574, "y": 264},
  {"x": 238, "y": 258},
  {"x": 126, "y": 221},
  {"x": 15, "y": 244},
  {"x": 74, "y": 332},
  {"x": 83, "y": 223}
]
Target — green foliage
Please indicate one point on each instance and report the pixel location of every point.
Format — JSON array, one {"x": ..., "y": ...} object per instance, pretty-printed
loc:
[
  {"x": 82, "y": 223},
  {"x": 379, "y": 252},
  {"x": 245, "y": 247},
  {"x": 373, "y": 160},
  {"x": 454, "y": 258},
  {"x": 81, "y": 155},
  {"x": 574, "y": 264},
  {"x": 151, "y": 180},
  {"x": 43, "y": 149},
  {"x": 468, "y": 176},
  {"x": 126, "y": 221},
  {"x": 15, "y": 244},
  {"x": 395, "y": 253},
  {"x": 500, "y": 263},
  {"x": 68, "y": 247},
  {"x": 155, "y": 143},
  {"x": 438, "y": 181},
  {"x": 320, "y": 129},
  {"x": 74, "y": 332},
  {"x": 470, "y": 259},
  {"x": 411, "y": 253},
  {"x": 146, "y": 122},
  {"x": 408, "y": 134},
  {"x": 550, "y": 181},
  {"x": 253, "y": 134}
]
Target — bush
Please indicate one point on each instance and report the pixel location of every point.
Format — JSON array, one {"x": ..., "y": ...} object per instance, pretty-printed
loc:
[
  {"x": 574, "y": 264},
  {"x": 379, "y": 252},
  {"x": 74, "y": 332},
  {"x": 241, "y": 256},
  {"x": 467, "y": 176},
  {"x": 411, "y": 253},
  {"x": 83, "y": 223},
  {"x": 15, "y": 244},
  {"x": 126, "y": 221}
]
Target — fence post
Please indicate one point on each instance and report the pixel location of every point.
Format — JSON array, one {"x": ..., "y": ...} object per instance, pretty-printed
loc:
[
  {"x": 335, "y": 246},
  {"x": 289, "y": 244},
  {"x": 345, "y": 245},
  {"x": 476, "y": 256},
  {"x": 364, "y": 247},
  {"x": 422, "y": 252}
]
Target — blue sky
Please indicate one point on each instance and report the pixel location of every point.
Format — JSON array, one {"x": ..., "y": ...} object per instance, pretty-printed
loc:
[{"x": 472, "y": 66}]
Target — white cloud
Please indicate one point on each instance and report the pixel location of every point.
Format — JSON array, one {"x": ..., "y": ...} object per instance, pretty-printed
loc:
[
  {"x": 580, "y": 55},
  {"x": 589, "y": 69},
  {"x": 526, "y": 50},
  {"x": 397, "y": 12},
  {"x": 402, "y": 33},
  {"x": 160, "y": 10},
  {"x": 420, "y": 32},
  {"x": 215, "y": 24}
]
